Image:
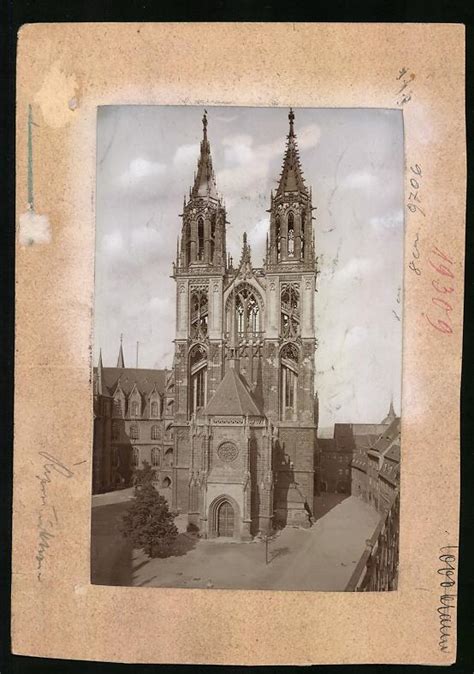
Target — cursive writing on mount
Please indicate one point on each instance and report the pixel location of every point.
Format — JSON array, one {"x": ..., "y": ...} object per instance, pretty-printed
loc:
[
  {"x": 47, "y": 515},
  {"x": 448, "y": 598}
]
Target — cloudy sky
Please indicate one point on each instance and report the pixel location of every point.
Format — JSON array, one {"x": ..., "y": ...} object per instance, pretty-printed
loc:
[{"x": 352, "y": 158}]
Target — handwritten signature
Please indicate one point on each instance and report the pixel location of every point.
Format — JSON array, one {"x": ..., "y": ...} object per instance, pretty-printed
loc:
[
  {"x": 447, "y": 599},
  {"x": 47, "y": 516}
]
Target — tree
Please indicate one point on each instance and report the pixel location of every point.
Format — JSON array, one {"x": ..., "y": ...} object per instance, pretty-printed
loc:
[
  {"x": 148, "y": 523},
  {"x": 144, "y": 476}
]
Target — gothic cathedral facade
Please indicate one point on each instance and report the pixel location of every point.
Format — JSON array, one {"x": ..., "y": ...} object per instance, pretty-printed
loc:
[{"x": 241, "y": 397}]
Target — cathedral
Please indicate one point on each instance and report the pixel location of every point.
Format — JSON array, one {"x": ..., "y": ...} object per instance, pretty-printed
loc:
[{"x": 238, "y": 411}]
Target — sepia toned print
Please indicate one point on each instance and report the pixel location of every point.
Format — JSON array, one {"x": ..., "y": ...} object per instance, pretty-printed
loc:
[{"x": 255, "y": 444}]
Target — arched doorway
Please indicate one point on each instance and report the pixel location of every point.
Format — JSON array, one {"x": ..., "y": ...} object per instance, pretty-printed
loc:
[{"x": 225, "y": 520}]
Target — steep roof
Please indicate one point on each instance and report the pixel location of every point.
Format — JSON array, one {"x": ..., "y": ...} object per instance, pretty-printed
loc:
[
  {"x": 145, "y": 379},
  {"x": 232, "y": 397},
  {"x": 388, "y": 437},
  {"x": 205, "y": 180},
  {"x": 291, "y": 178}
]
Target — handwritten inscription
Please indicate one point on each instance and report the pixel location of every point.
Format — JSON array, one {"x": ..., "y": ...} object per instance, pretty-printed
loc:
[
  {"x": 440, "y": 318},
  {"x": 413, "y": 205},
  {"x": 47, "y": 516},
  {"x": 447, "y": 600},
  {"x": 405, "y": 91}
]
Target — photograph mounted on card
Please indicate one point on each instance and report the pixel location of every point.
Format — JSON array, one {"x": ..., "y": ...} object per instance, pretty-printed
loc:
[{"x": 239, "y": 268}]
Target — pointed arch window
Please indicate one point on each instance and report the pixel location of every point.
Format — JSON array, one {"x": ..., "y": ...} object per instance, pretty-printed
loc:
[
  {"x": 247, "y": 311},
  {"x": 290, "y": 310},
  {"x": 169, "y": 457},
  {"x": 155, "y": 432},
  {"x": 155, "y": 457},
  {"x": 278, "y": 236},
  {"x": 134, "y": 432},
  {"x": 289, "y": 357},
  {"x": 198, "y": 376},
  {"x": 119, "y": 405},
  {"x": 134, "y": 408},
  {"x": 213, "y": 236},
  {"x": 200, "y": 239},
  {"x": 199, "y": 313},
  {"x": 291, "y": 235},
  {"x": 154, "y": 408}
]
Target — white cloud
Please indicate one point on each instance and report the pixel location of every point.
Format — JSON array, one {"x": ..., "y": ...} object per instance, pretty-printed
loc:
[
  {"x": 140, "y": 168},
  {"x": 359, "y": 180},
  {"x": 356, "y": 269},
  {"x": 185, "y": 155},
  {"x": 257, "y": 236},
  {"x": 308, "y": 136},
  {"x": 238, "y": 149},
  {"x": 112, "y": 243},
  {"x": 388, "y": 222}
]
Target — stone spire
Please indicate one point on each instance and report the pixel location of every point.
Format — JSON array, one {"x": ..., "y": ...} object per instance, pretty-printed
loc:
[
  {"x": 120, "y": 360},
  {"x": 291, "y": 178},
  {"x": 205, "y": 180}
]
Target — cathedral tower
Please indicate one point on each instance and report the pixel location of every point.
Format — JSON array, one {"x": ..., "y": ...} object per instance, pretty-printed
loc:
[
  {"x": 290, "y": 271},
  {"x": 199, "y": 272}
]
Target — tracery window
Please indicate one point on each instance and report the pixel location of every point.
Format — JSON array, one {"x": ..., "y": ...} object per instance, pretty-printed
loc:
[
  {"x": 247, "y": 310},
  {"x": 155, "y": 432},
  {"x": 290, "y": 310},
  {"x": 134, "y": 432},
  {"x": 199, "y": 313},
  {"x": 289, "y": 357},
  {"x": 198, "y": 373}
]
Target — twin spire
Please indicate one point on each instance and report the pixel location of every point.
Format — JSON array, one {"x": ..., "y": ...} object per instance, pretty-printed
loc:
[
  {"x": 204, "y": 179},
  {"x": 291, "y": 177}
]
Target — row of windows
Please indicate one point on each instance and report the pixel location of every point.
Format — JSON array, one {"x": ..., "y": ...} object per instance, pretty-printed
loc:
[
  {"x": 134, "y": 408},
  {"x": 135, "y": 457},
  {"x": 134, "y": 432}
]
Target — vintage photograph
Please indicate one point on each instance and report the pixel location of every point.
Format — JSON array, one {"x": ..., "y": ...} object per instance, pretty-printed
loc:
[{"x": 247, "y": 348}]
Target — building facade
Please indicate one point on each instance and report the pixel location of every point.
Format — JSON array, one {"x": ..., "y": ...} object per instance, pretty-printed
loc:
[
  {"x": 375, "y": 471},
  {"x": 231, "y": 428}
]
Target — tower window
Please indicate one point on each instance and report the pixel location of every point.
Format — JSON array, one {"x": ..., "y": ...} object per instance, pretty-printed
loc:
[
  {"x": 199, "y": 313},
  {"x": 134, "y": 409},
  {"x": 213, "y": 236},
  {"x": 291, "y": 235},
  {"x": 278, "y": 236},
  {"x": 154, "y": 409},
  {"x": 303, "y": 223},
  {"x": 200, "y": 239},
  {"x": 290, "y": 311},
  {"x": 288, "y": 381},
  {"x": 198, "y": 374}
]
